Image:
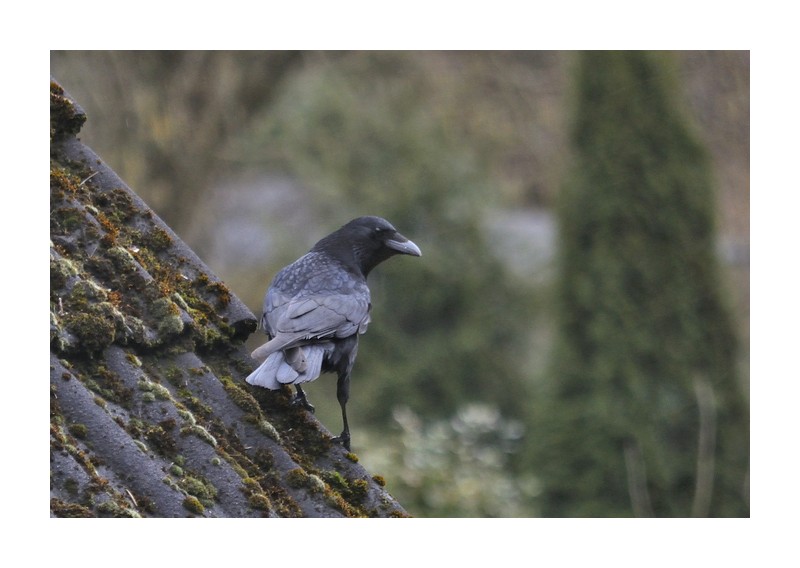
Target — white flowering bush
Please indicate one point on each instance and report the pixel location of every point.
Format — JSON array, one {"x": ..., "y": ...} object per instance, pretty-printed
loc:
[{"x": 454, "y": 468}]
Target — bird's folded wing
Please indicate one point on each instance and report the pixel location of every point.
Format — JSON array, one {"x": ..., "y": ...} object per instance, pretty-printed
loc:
[{"x": 320, "y": 316}]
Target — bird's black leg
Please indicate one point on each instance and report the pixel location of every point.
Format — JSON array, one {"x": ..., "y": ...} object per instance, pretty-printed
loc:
[
  {"x": 343, "y": 395},
  {"x": 299, "y": 399}
]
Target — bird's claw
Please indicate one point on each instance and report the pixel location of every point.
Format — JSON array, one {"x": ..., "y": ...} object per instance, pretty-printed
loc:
[
  {"x": 302, "y": 401},
  {"x": 344, "y": 440}
]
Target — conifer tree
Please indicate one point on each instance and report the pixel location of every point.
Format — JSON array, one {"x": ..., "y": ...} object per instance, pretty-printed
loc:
[{"x": 645, "y": 416}]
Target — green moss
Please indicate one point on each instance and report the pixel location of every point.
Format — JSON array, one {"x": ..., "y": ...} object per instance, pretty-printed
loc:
[
  {"x": 135, "y": 427},
  {"x": 116, "y": 204},
  {"x": 260, "y": 501},
  {"x": 200, "y": 432},
  {"x": 197, "y": 407},
  {"x": 157, "y": 239},
  {"x": 219, "y": 289},
  {"x": 168, "y": 317},
  {"x": 133, "y": 359},
  {"x": 315, "y": 483},
  {"x": 194, "y": 505},
  {"x": 207, "y": 336},
  {"x": 266, "y": 428},
  {"x": 158, "y": 436},
  {"x": 176, "y": 470},
  {"x": 87, "y": 291},
  {"x": 358, "y": 490},
  {"x": 161, "y": 392},
  {"x": 66, "y": 119},
  {"x": 297, "y": 478},
  {"x": 163, "y": 308},
  {"x": 336, "y": 500},
  {"x": 352, "y": 492},
  {"x": 135, "y": 331},
  {"x": 187, "y": 416},
  {"x": 178, "y": 299},
  {"x": 123, "y": 260},
  {"x": 203, "y": 490},
  {"x": 241, "y": 397},
  {"x": 111, "y": 228},
  {"x": 156, "y": 390},
  {"x": 71, "y": 485},
  {"x": 95, "y": 330},
  {"x": 61, "y": 271},
  {"x": 67, "y": 510},
  {"x": 169, "y": 482},
  {"x": 174, "y": 375},
  {"x": 148, "y": 397},
  {"x": 108, "y": 385},
  {"x": 78, "y": 430},
  {"x": 240, "y": 471},
  {"x": 379, "y": 480},
  {"x": 352, "y": 457},
  {"x": 62, "y": 181},
  {"x": 264, "y": 459},
  {"x": 336, "y": 481},
  {"x": 66, "y": 220},
  {"x": 283, "y": 504}
]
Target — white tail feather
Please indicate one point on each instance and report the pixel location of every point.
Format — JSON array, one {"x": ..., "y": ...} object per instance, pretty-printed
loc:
[{"x": 275, "y": 372}]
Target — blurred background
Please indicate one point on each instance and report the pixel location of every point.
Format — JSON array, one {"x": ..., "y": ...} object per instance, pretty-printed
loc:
[{"x": 574, "y": 340}]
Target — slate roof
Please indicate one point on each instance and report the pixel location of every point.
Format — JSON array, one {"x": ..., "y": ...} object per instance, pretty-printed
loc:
[{"x": 149, "y": 412}]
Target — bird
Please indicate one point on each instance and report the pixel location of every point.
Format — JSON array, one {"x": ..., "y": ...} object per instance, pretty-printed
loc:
[{"x": 316, "y": 308}]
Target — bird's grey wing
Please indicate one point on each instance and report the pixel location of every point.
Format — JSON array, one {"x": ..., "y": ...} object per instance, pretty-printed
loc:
[
  {"x": 313, "y": 298},
  {"x": 292, "y": 322},
  {"x": 321, "y": 316}
]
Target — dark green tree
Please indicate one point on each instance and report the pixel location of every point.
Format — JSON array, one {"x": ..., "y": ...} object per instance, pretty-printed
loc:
[{"x": 644, "y": 415}]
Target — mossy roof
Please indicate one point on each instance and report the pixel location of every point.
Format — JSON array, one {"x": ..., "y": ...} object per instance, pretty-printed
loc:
[{"x": 149, "y": 412}]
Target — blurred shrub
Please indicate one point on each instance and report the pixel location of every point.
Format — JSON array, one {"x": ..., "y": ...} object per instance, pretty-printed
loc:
[{"x": 455, "y": 467}]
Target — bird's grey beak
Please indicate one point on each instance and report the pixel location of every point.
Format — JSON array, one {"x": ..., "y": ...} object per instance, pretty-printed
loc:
[{"x": 403, "y": 245}]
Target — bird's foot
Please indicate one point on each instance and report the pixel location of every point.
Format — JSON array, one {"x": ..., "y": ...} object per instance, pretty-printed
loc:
[
  {"x": 343, "y": 439},
  {"x": 301, "y": 400}
]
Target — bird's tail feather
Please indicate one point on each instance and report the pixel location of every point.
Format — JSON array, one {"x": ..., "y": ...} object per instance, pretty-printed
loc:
[
  {"x": 276, "y": 371},
  {"x": 273, "y": 345}
]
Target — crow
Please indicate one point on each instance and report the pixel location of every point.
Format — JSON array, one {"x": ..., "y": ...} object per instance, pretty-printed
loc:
[{"x": 316, "y": 307}]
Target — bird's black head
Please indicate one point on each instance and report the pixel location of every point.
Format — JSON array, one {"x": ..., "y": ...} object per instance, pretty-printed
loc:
[{"x": 366, "y": 242}]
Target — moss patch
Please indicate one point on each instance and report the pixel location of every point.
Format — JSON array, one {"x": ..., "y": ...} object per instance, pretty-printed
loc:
[
  {"x": 194, "y": 505},
  {"x": 66, "y": 119},
  {"x": 69, "y": 510}
]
